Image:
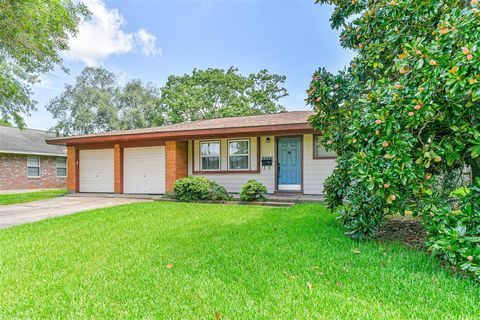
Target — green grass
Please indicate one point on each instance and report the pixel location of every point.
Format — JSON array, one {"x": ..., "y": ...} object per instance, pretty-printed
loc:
[
  {"x": 11, "y": 198},
  {"x": 241, "y": 262}
]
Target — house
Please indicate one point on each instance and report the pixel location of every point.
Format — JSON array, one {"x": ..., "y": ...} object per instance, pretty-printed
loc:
[
  {"x": 28, "y": 162},
  {"x": 279, "y": 150}
]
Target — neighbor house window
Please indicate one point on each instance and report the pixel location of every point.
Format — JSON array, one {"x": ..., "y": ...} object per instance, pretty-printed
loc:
[
  {"x": 33, "y": 166},
  {"x": 61, "y": 167},
  {"x": 319, "y": 151},
  {"x": 210, "y": 155},
  {"x": 239, "y": 154}
]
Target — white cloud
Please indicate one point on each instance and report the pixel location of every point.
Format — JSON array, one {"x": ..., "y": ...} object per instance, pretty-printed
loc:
[
  {"x": 147, "y": 42},
  {"x": 104, "y": 35}
]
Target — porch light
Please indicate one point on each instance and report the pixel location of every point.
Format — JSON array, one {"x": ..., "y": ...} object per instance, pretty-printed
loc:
[{"x": 267, "y": 140}]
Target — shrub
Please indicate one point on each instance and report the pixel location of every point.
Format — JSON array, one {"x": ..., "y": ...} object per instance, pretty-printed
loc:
[
  {"x": 169, "y": 195},
  {"x": 253, "y": 191},
  {"x": 405, "y": 111},
  {"x": 450, "y": 181},
  {"x": 218, "y": 192},
  {"x": 191, "y": 189},
  {"x": 454, "y": 230}
]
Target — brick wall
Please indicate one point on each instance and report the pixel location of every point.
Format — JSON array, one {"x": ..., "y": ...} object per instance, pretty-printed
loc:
[
  {"x": 13, "y": 173},
  {"x": 176, "y": 164},
  {"x": 72, "y": 158}
]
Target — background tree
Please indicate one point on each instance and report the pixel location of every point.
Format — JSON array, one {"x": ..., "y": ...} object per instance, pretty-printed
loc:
[
  {"x": 33, "y": 33},
  {"x": 139, "y": 106},
  {"x": 407, "y": 109},
  {"x": 5, "y": 123},
  {"x": 88, "y": 106},
  {"x": 97, "y": 103},
  {"x": 216, "y": 93}
]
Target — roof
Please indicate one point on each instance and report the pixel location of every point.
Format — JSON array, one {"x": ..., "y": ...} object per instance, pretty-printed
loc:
[
  {"x": 297, "y": 119},
  {"x": 28, "y": 141}
]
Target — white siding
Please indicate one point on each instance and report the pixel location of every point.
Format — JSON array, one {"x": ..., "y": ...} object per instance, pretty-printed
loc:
[
  {"x": 315, "y": 171},
  {"x": 234, "y": 181}
]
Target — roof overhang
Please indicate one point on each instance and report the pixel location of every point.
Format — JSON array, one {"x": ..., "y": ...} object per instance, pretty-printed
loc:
[{"x": 184, "y": 134}]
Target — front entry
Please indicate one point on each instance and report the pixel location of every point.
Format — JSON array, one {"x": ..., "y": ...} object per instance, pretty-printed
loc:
[{"x": 289, "y": 166}]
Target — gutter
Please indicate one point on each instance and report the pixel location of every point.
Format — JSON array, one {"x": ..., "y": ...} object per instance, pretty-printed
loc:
[
  {"x": 34, "y": 153},
  {"x": 183, "y": 134}
]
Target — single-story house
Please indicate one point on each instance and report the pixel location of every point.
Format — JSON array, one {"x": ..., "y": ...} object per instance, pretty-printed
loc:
[
  {"x": 28, "y": 162},
  {"x": 279, "y": 150}
]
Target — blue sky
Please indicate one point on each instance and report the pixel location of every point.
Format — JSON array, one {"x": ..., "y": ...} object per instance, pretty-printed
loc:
[{"x": 151, "y": 40}]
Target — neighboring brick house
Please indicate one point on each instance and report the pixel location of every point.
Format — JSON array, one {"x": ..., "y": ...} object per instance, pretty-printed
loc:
[{"x": 28, "y": 162}]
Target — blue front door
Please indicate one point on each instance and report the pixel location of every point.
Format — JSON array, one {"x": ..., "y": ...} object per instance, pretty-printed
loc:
[{"x": 289, "y": 163}]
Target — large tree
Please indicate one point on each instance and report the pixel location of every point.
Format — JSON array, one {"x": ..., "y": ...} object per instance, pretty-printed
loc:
[
  {"x": 407, "y": 109},
  {"x": 33, "y": 35},
  {"x": 97, "y": 103},
  {"x": 139, "y": 106},
  {"x": 214, "y": 93},
  {"x": 87, "y": 106}
]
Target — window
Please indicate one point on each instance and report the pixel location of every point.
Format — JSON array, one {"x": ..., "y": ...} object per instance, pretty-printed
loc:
[
  {"x": 33, "y": 166},
  {"x": 210, "y": 155},
  {"x": 61, "y": 167},
  {"x": 239, "y": 155},
  {"x": 319, "y": 151}
]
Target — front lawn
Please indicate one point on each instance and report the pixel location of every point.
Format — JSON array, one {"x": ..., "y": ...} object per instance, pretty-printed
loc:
[
  {"x": 11, "y": 198},
  {"x": 206, "y": 261}
]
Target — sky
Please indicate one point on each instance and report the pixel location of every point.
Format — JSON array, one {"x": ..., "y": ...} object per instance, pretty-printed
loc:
[{"x": 152, "y": 39}]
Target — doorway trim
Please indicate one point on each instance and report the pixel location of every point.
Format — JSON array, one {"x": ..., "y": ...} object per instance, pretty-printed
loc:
[{"x": 301, "y": 163}]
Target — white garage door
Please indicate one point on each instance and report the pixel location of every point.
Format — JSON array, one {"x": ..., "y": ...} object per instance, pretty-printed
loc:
[
  {"x": 144, "y": 170},
  {"x": 96, "y": 170}
]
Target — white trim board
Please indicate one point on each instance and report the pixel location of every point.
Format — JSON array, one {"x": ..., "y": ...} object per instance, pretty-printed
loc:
[
  {"x": 27, "y": 153},
  {"x": 289, "y": 187}
]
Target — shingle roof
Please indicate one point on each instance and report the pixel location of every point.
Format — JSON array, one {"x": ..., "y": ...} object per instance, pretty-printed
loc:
[
  {"x": 28, "y": 141},
  {"x": 285, "y": 118}
]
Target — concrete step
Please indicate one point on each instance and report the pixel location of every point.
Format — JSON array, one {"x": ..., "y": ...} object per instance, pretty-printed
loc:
[
  {"x": 239, "y": 202},
  {"x": 271, "y": 198},
  {"x": 289, "y": 198}
]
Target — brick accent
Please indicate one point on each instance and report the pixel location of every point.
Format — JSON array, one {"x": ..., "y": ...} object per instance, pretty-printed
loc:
[
  {"x": 13, "y": 173},
  {"x": 118, "y": 168},
  {"x": 176, "y": 162},
  {"x": 72, "y": 169}
]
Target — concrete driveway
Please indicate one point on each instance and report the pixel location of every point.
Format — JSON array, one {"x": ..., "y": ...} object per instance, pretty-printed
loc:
[{"x": 15, "y": 214}]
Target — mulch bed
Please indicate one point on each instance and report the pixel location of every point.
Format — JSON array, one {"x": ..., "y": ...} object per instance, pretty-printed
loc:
[
  {"x": 410, "y": 232},
  {"x": 407, "y": 230}
]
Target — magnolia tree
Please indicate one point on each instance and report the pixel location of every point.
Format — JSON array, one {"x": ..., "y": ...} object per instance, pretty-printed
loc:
[{"x": 407, "y": 109}]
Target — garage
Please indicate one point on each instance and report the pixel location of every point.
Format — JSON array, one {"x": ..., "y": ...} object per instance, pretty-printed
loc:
[
  {"x": 144, "y": 170},
  {"x": 96, "y": 170}
]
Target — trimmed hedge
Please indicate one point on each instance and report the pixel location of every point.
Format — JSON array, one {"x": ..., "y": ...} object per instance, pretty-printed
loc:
[
  {"x": 253, "y": 191},
  {"x": 191, "y": 189}
]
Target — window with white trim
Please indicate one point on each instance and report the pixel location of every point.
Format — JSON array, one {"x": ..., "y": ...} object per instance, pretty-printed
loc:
[
  {"x": 319, "y": 150},
  {"x": 61, "y": 167},
  {"x": 210, "y": 155},
  {"x": 239, "y": 154},
  {"x": 33, "y": 166}
]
